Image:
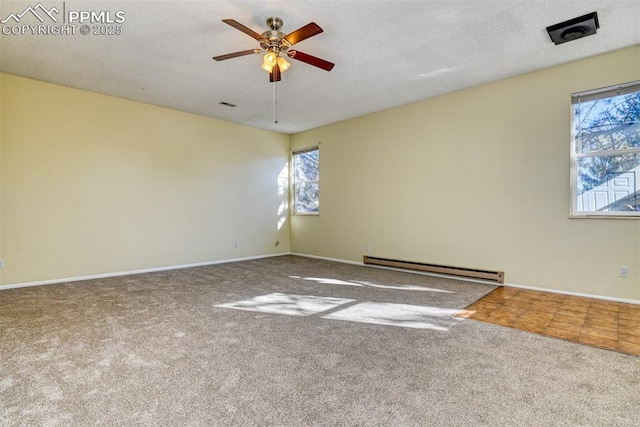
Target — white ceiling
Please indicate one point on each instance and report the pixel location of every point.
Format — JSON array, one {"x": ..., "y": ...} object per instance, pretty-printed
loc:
[{"x": 387, "y": 53}]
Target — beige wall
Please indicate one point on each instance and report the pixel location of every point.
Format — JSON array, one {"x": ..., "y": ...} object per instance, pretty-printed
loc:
[
  {"x": 93, "y": 184},
  {"x": 1, "y": 138},
  {"x": 478, "y": 178}
]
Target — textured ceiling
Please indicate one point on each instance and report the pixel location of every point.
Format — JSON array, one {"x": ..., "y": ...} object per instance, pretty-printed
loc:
[{"x": 387, "y": 53}]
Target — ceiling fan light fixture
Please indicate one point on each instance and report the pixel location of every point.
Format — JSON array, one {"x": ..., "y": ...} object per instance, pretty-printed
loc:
[
  {"x": 270, "y": 58},
  {"x": 269, "y": 61},
  {"x": 283, "y": 64}
]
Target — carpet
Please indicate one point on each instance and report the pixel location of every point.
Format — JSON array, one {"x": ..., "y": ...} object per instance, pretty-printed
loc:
[{"x": 291, "y": 341}]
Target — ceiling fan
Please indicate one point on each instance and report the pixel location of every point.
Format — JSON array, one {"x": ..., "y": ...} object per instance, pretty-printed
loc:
[{"x": 277, "y": 45}]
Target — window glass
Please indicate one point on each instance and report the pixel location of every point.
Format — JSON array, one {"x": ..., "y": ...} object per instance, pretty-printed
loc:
[
  {"x": 606, "y": 152},
  {"x": 306, "y": 175}
]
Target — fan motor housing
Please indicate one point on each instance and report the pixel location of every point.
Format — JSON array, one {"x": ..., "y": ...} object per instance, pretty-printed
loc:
[
  {"x": 273, "y": 35},
  {"x": 274, "y": 38}
]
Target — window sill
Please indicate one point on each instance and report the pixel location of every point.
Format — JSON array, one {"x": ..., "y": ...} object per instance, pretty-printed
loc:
[{"x": 591, "y": 216}]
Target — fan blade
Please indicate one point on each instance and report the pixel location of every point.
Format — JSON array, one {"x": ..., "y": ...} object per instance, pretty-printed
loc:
[
  {"x": 311, "y": 60},
  {"x": 303, "y": 33},
  {"x": 236, "y": 54},
  {"x": 238, "y": 26},
  {"x": 275, "y": 75}
]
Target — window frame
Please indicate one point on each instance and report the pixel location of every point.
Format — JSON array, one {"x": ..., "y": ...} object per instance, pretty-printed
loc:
[
  {"x": 295, "y": 181},
  {"x": 587, "y": 96}
]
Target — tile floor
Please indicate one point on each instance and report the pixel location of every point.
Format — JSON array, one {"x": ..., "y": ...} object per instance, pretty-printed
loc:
[{"x": 605, "y": 324}]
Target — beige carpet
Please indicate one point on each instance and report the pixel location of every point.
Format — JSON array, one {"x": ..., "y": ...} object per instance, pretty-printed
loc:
[{"x": 291, "y": 341}]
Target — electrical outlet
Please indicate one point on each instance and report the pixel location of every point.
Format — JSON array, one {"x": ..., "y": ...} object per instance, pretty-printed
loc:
[
  {"x": 1, "y": 263},
  {"x": 368, "y": 248},
  {"x": 624, "y": 271},
  {"x": 236, "y": 244}
]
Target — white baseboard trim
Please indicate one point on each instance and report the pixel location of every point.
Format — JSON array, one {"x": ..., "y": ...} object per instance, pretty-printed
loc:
[
  {"x": 576, "y": 294},
  {"x": 130, "y": 272},
  {"x": 464, "y": 279}
]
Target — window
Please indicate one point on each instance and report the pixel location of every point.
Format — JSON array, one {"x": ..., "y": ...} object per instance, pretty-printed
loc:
[
  {"x": 305, "y": 181},
  {"x": 605, "y": 152}
]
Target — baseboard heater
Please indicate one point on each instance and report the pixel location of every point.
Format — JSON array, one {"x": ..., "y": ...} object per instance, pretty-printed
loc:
[{"x": 471, "y": 273}]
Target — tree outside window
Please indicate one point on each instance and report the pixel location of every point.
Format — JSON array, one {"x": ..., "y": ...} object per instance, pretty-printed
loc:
[
  {"x": 306, "y": 174},
  {"x": 606, "y": 152}
]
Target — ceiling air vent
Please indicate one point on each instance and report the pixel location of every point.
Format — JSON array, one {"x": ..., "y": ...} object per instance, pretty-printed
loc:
[
  {"x": 575, "y": 28},
  {"x": 227, "y": 104}
]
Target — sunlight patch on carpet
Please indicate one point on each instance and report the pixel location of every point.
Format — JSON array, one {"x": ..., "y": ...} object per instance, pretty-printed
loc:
[
  {"x": 378, "y": 313},
  {"x": 362, "y": 283},
  {"x": 404, "y": 315},
  {"x": 292, "y": 305}
]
